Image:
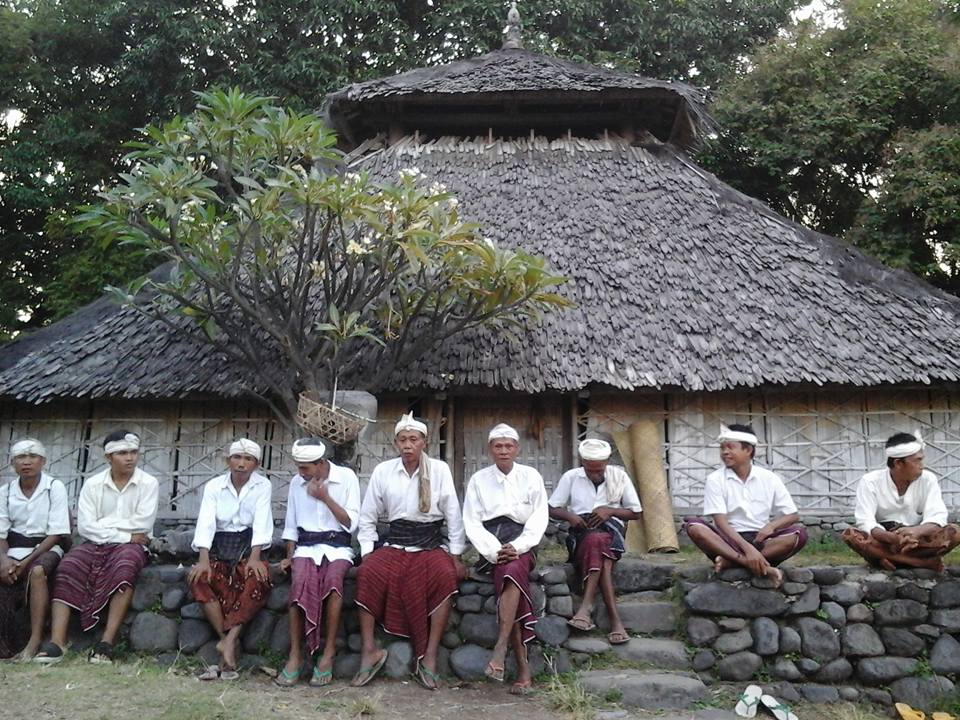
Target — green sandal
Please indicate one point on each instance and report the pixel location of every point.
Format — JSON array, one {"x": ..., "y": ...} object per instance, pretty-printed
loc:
[
  {"x": 424, "y": 674},
  {"x": 320, "y": 678},
  {"x": 287, "y": 679}
]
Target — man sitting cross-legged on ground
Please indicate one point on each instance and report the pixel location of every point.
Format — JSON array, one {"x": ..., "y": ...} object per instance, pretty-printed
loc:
[
  {"x": 33, "y": 521},
  {"x": 505, "y": 515},
  {"x": 407, "y": 583},
  {"x": 235, "y": 525},
  {"x": 115, "y": 515},
  {"x": 741, "y": 497},
  {"x": 597, "y": 500},
  {"x": 900, "y": 513},
  {"x": 323, "y": 508}
]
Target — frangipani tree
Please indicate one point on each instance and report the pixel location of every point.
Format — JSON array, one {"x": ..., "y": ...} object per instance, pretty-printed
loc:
[{"x": 287, "y": 262}]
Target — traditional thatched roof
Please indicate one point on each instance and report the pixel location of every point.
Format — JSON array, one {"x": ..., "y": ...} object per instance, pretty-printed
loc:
[{"x": 679, "y": 282}]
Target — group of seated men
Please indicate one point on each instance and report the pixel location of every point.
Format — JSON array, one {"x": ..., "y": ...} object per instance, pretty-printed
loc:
[{"x": 409, "y": 574}]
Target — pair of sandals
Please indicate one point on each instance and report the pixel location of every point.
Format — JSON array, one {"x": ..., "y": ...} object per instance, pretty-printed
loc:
[
  {"x": 753, "y": 696},
  {"x": 908, "y": 713},
  {"x": 422, "y": 674},
  {"x": 218, "y": 672},
  {"x": 318, "y": 678},
  {"x": 50, "y": 653},
  {"x": 583, "y": 625},
  {"x": 497, "y": 674}
]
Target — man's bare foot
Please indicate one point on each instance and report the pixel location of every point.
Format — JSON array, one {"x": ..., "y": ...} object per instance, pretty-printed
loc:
[
  {"x": 776, "y": 575},
  {"x": 720, "y": 563}
]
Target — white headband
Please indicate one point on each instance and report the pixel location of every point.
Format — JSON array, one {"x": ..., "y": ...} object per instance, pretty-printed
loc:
[
  {"x": 27, "y": 447},
  {"x": 308, "y": 450},
  {"x": 592, "y": 449},
  {"x": 907, "y": 449},
  {"x": 728, "y": 435},
  {"x": 408, "y": 422},
  {"x": 503, "y": 431},
  {"x": 243, "y": 446},
  {"x": 129, "y": 442}
]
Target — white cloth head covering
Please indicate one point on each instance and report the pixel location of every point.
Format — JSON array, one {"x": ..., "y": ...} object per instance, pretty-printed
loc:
[
  {"x": 728, "y": 435},
  {"x": 907, "y": 449},
  {"x": 408, "y": 422},
  {"x": 308, "y": 450},
  {"x": 593, "y": 449},
  {"x": 130, "y": 441},
  {"x": 244, "y": 446},
  {"x": 503, "y": 431},
  {"x": 28, "y": 446}
]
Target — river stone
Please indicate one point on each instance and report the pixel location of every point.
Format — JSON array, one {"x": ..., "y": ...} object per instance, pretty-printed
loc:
[
  {"x": 152, "y": 632},
  {"x": 172, "y": 599},
  {"x": 668, "y": 654},
  {"x": 836, "y": 616},
  {"x": 792, "y": 588},
  {"x": 945, "y": 594},
  {"x": 641, "y": 616},
  {"x": 553, "y": 575},
  {"x": 551, "y": 630},
  {"x": 818, "y": 640},
  {"x": 257, "y": 633},
  {"x": 798, "y": 574},
  {"x": 948, "y": 619},
  {"x": 554, "y": 590},
  {"x": 468, "y": 587},
  {"x": 722, "y": 599},
  {"x": 485, "y": 589},
  {"x": 279, "y": 598},
  {"x": 346, "y": 665},
  {"x": 789, "y": 640},
  {"x": 921, "y": 693},
  {"x": 192, "y": 611},
  {"x": 806, "y": 603},
  {"x": 193, "y": 634},
  {"x": 901, "y": 642},
  {"x": 703, "y": 660},
  {"x": 861, "y": 640},
  {"x": 482, "y": 629},
  {"x": 845, "y": 593},
  {"x": 945, "y": 655},
  {"x": 883, "y": 670},
  {"x": 849, "y": 694},
  {"x": 490, "y": 605},
  {"x": 561, "y": 605},
  {"x": 651, "y": 690},
  {"x": 834, "y": 671},
  {"x": 808, "y": 666},
  {"x": 732, "y": 624},
  {"x": 630, "y": 575},
  {"x": 912, "y": 591},
  {"x": 450, "y": 640},
  {"x": 878, "y": 589},
  {"x": 147, "y": 594},
  {"x": 730, "y": 643},
  {"x": 736, "y": 574},
  {"x": 819, "y": 694},
  {"x": 924, "y": 630},
  {"x": 827, "y": 575},
  {"x": 786, "y": 670},
  {"x": 587, "y": 644},
  {"x": 469, "y": 661},
  {"x": 469, "y": 603},
  {"x": 399, "y": 659},
  {"x": 208, "y": 653},
  {"x": 739, "y": 666},
  {"x": 766, "y": 636},
  {"x": 701, "y": 631},
  {"x": 859, "y": 613},
  {"x": 899, "y": 612}
]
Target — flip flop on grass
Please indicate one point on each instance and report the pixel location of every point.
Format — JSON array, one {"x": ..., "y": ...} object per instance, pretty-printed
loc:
[
  {"x": 747, "y": 704},
  {"x": 908, "y": 713},
  {"x": 229, "y": 673},
  {"x": 210, "y": 673},
  {"x": 780, "y": 710},
  {"x": 287, "y": 679},
  {"x": 618, "y": 638},
  {"x": 366, "y": 674},
  {"x": 522, "y": 688},
  {"x": 49, "y": 654}
]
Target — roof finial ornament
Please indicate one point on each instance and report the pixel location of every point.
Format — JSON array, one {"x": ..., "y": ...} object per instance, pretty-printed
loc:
[{"x": 511, "y": 33}]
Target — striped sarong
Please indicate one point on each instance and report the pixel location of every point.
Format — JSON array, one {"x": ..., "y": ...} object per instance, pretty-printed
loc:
[
  {"x": 90, "y": 574},
  {"x": 518, "y": 572},
  {"x": 13, "y": 635},
  {"x": 403, "y": 589},
  {"x": 241, "y": 595},
  {"x": 309, "y": 587}
]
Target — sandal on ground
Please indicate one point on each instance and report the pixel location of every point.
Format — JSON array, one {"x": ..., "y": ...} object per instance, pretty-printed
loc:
[
  {"x": 942, "y": 716},
  {"x": 210, "y": 673},
  {"x": 229, "y": 673},
  {"x": 780, "y": 710},
  {"x": 321, "y": 678},
  {"x": 49, "y": 653},
  {"x": 101, "y": 654},
  {"x": 908, "y": 713},
  {"x": 287, "y": 679},
  {"x": 494, "y": 672},
  {"x": 747, "y": 704},
  {"x": 618, "y": 638},
  {"x": 426, "y": 677},
  {"x": 579, "y": 623},
  {"x": 522, "y": 688},
  {"x": 366, "y": 674}
]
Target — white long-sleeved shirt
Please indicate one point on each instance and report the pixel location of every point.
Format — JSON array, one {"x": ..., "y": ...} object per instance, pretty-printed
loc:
[
  {"x": 748, "y": 504},
  {"x": 576, "y": 491},
  {"x": 393, "y": 494},
  {"x": 878, "y": 501},
  {"x": 223, "y": 509},
  {"x": 518, "y": 495},
  {"x": 43, "y": 513},
  {"x": 107, "y": 515},
  {"x": 305, "y": 511}
]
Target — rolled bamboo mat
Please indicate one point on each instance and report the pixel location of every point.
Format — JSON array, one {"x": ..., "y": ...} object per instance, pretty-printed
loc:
[
  {"x": 636, "y": 538},
  {"x": 645, "y": 464}
]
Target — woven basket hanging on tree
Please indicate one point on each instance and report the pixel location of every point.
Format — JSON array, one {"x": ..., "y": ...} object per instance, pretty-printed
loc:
[{"x": 335, "y": 424}]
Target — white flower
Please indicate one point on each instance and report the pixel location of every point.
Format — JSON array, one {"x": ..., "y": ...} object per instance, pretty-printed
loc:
[
  {"x": 438, "y": 188},
  {"x": 317, "y": 267},
  {"x": 412, "y": 173},
  {"x": 355, "y": 248},
  {"x": 453, "y": 203},
  {"x": 489, "y": 243},
  {"x": 353, "y": 177}
]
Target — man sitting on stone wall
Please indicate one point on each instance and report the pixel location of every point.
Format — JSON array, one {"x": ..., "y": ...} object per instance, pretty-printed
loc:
[
  {"x": 115, "y": 515},
  {"x": 596, "y": 500},
  {"x": 505, "y": 515},
  {"x": 741, "y": 498},
  {"x": 234, "y": 526},
  {"x": 900, "y": 513}
]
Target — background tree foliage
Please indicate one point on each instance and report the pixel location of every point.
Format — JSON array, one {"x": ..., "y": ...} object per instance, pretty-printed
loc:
[
  {"x": 854, "y": 130},
  {"x": 87, "y": 73}
]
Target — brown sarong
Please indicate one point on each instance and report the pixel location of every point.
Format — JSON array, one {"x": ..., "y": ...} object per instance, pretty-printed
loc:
[
  {"x": 798, "y": 531},
  {"x": 309, "y": 587},
  {"x": 403, "y": 589},
  {"x": 241, "y": 595},
  {"x": 592, "y": 548},
  {"x": 13, "y": 635},
  {"x": 518, "y": 572},
  {"x": 926, "y": 554},
  {"x": 90, "y": 574}
]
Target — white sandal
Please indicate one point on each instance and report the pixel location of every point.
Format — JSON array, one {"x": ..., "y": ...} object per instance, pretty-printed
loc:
[
  {"x": 747, "y": 704},
  {"x": 780, "y": 710}
]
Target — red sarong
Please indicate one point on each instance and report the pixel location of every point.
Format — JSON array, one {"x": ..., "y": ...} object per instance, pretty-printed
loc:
[
  {"x": 518, "y": 572},
  {"x": 89, "y": 574},
  {"x": 403, "y": 589},
  {"x": 13, "y": 636},
  {"x": 309, "y": 588},
  {"x": 241, "y": 596},
  {"x": 592, "y": 548}
]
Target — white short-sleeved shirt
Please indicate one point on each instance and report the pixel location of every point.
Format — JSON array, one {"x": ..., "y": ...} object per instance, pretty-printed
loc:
[
  {"x": 748, "y": 504},
  {"x": 108, "y": 515},
  {"x": 223, "y": 509},
  {"x": 305, "y": 511},
  {"x": 577, "y": 492},
  {"x": 518, "y": 495},
  {"x": 878, "y": 501},
  {"x": 43, "y": 513}
]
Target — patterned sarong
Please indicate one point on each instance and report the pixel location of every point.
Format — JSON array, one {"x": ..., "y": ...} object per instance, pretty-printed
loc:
[
  {"x": 241, "y": 595},
  {"x": 518, "y": 572},
  {"x": 798, "y": 530},
  {"x": 879, "y": 554},
  {"x": 587, "y": 548},
  {"x": 13, "y": 635},
  {"x": 309, "y": 587},
  {"x": 403, "y": 589},
  {"x": 90, "y": 574}
]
